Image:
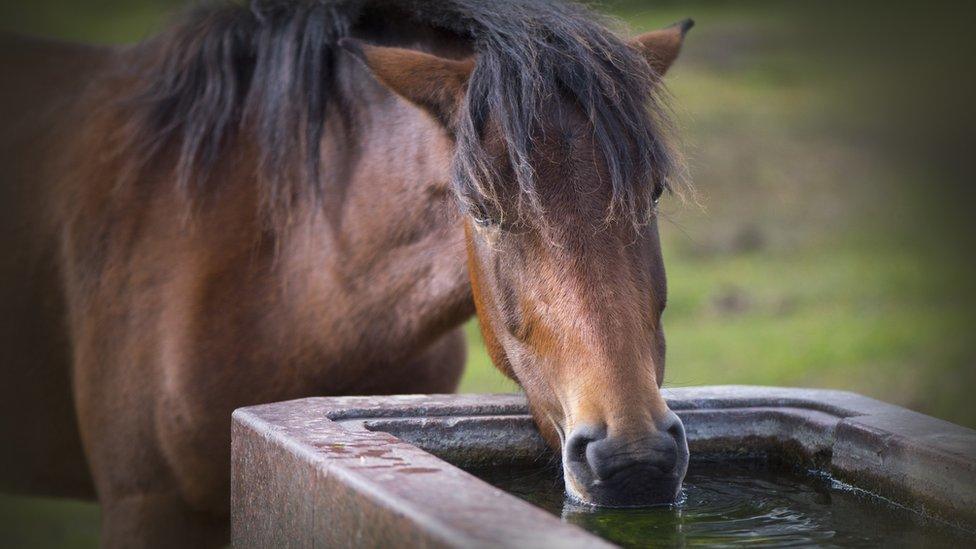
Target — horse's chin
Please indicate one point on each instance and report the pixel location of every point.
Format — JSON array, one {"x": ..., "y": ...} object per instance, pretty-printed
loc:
[{"x": 635, "y": 492}]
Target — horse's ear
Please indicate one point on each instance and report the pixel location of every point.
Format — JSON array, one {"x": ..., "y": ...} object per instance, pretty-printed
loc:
[
  {"x": 433, "y": 83},
  {"x": 661, "y": 47}
]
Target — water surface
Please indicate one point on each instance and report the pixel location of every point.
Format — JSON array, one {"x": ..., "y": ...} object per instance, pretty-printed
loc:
[{"x": 741, "y": 503}]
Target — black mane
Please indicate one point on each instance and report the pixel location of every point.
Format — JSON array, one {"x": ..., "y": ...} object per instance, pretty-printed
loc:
[{"x": 268, "y": 66}]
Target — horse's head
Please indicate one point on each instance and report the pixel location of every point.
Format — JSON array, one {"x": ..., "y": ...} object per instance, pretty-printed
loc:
[{"x": 568, "y": 283}]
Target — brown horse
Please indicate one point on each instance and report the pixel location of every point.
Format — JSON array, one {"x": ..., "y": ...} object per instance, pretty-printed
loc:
[{"x": 288, "y": 199}]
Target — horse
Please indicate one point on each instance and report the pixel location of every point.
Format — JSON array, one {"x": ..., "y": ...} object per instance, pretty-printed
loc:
[{"x": 282, "y": 199}]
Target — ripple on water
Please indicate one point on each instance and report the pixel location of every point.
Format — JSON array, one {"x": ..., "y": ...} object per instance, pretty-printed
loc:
[{"x": 740, "y": 503}]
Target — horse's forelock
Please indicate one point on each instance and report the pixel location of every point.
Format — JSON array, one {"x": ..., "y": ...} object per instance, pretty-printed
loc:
[{"x": 268, "y": 66}]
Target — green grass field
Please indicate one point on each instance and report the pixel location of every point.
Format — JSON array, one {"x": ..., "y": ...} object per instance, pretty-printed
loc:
[{"x": 802, "y": 261}]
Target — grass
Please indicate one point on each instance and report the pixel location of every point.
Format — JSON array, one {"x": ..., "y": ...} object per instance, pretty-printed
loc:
[
  {"x": 44, "y": 522},
  {"x": 808, "y": 263},
  {"x": 870, "y": 320}
]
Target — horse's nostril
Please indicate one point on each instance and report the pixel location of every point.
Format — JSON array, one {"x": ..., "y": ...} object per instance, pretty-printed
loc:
[
  {"x": 672, "y": 425},
  {"x": 579, "y": 440},
  {"x": 675, "y": 428}
]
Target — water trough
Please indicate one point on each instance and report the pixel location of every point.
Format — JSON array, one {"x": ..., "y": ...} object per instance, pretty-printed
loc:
[{"x": 389, "y": 471}]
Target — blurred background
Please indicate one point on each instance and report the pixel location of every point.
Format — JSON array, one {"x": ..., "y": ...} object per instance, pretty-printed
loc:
[{"x": 829, "y": 238}]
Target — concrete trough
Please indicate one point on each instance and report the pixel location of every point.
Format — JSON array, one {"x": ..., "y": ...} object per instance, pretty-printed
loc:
[{"x": 388, "y": 471}]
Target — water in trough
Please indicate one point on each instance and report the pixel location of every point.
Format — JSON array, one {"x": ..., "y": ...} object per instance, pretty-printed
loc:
[{"x": 740, "y": 503}]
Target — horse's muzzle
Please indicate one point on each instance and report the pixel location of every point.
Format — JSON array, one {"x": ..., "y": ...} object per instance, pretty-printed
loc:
[{"x": 626, "y": 471}]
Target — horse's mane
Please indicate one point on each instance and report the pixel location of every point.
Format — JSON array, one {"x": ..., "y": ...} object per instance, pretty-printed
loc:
[{"x": 268, "y": 66}]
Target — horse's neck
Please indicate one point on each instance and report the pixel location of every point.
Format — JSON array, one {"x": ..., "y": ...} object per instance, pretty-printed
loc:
[{"x": 387, "y": 259}]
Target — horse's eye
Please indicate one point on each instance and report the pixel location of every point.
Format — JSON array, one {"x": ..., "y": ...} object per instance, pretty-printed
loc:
[
  {"x": 479, "y": 214},
  {"x": 658, "y": 191}
]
